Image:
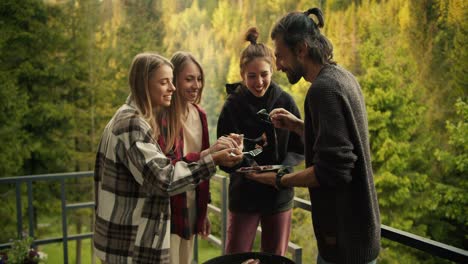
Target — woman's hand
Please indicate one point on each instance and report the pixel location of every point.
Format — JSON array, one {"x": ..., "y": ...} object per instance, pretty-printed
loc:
[
  {"x": 228, "y": 157},
  {"x": 206, "y": 228},
  {"x": 224, "y": 142},
  {"x": 281, "y": 118},
  {"x": 239, "y": 139}
]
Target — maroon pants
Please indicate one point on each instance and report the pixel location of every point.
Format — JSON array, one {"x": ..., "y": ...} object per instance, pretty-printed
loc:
[{"x": 242, "y": 228}]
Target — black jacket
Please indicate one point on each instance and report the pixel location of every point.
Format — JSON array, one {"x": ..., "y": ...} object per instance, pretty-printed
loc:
[{"x": 239, "y": 115}]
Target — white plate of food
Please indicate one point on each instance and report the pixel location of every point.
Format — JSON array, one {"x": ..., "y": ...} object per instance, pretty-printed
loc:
[{"x": 259, "y": 168}]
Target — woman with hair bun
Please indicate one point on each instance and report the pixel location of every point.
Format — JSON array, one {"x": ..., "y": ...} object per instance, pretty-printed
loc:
[{"x": 252, "y": 203}]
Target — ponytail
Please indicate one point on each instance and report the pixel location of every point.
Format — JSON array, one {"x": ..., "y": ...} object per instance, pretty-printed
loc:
[{"x": 318, "y": 13}]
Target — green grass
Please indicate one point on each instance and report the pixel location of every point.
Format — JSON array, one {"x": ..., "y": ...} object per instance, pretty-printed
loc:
[
  {"x": 54, "y": 252},
  {"x": 207, "y": 251}
]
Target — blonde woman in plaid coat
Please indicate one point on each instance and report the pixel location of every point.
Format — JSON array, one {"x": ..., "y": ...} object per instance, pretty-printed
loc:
[{"x": 134, "y": 179}]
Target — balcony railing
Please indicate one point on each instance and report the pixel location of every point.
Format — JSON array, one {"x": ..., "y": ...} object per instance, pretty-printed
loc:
[{"x": 429, "y": 246}]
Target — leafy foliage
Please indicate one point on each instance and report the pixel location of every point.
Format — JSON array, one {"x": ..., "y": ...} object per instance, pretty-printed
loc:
[{"x": 21, "y": 253}]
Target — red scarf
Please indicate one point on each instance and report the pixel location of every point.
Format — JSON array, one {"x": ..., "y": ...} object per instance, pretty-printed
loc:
[{"x": 179, "y": 212}]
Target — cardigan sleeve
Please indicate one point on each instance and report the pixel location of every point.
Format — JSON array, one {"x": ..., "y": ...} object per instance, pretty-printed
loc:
[
  {"x": 155, "y": 172},
  {"x": 333, "y": 157}
]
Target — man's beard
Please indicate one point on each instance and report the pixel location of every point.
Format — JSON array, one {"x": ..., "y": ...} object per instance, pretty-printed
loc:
[{"x": 295, "y": 73}]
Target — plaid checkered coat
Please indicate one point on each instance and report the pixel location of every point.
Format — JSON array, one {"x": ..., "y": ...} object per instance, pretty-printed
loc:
[{"x": 133, "y": 183}]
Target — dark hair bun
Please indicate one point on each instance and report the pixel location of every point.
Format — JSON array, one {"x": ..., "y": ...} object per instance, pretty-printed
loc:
[
  {"x": 318, "y": 13},
  {"x": 252, "y": 35}
]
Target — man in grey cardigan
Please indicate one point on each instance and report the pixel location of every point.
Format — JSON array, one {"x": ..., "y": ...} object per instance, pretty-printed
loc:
[{"x": 338, "y": 172}]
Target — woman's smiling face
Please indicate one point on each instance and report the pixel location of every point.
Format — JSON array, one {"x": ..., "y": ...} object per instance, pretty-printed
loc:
[
  {"x": 257, "y": 76},
  {"x": 189, "y": 82},
  {"x": 161, "y": 87}
]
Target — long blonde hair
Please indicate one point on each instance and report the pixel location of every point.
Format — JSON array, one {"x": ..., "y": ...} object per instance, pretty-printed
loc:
[{"x": 143, "y": 67}]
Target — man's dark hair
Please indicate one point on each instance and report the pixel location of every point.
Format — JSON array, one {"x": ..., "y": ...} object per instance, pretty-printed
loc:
[{"x": 297, "y": 27}]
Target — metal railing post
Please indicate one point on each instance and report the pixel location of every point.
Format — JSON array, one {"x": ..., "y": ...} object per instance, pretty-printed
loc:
[
  {"x": 224, "y": 206},
  {"x": 195, "y": 249},
  {"x": 19, "y": 210},
  {"x": 296, "y": 252},
  {"x": 30, "y": 210},
  {"x": 64, "y": 222}
]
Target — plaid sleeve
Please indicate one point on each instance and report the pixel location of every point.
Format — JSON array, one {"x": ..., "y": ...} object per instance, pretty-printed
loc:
[{"x": 154, "y": 171}]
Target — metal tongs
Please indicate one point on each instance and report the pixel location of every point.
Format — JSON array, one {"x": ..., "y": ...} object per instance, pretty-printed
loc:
[{"x": 265, "y": 117}]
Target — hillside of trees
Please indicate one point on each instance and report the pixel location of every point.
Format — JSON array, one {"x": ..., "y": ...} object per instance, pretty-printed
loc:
[{"x": 63, "y": 73}]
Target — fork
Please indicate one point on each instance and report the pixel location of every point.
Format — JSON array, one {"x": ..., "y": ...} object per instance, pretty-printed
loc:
[{"x": 253, "y": 152}]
